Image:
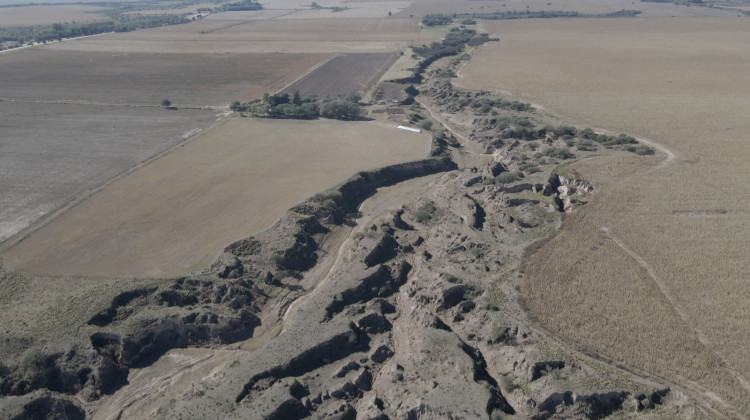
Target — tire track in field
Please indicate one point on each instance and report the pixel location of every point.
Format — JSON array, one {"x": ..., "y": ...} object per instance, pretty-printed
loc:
[{"x": 702, "y": 338}]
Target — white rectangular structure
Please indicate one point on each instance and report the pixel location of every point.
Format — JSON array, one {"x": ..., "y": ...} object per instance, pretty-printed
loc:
[{"x": 415, "y": 130}]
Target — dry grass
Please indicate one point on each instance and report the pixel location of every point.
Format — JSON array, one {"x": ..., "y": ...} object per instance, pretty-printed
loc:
[
  {"x": 265, "y": 36},
  {"x": 648, "y": 9},
  {"x": 176, "y": 213},
  {"x": 682, "y": 83},
  {"x": 49, "y": 14}
]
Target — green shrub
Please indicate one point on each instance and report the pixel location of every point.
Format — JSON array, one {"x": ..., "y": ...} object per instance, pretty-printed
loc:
[
  {"x": 499, "y": 332},
  {"x": 508, "y": 177},
  {"x": 476, "y": 252},
  {"x": 450, "y": 278},
  {"x": 507, "y": 383},
  {"x": 641, "y": 149},
  {"x": 424, "y": 212},
  {"x": 529, "y": 168},
  {"x": 559, "y": 153}
]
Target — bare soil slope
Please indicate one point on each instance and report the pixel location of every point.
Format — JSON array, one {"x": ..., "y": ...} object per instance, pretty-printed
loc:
[
  {"x": 664, "y": 287},
  {"x": 174, "y": 214}
]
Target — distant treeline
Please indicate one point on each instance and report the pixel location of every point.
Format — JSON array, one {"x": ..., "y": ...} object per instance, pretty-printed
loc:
[
  {"x": 57, "y": 31},
  {"x": 436, "y": 19},
  {"x": 549, "y": 14},
  {"x": 123, "y": 17},
  {"x": 239, "y": 6},
  {"x": 286, "y": 106}
]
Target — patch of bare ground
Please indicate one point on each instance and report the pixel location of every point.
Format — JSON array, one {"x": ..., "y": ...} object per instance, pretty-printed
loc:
[
  {"x": 174, "y": 214},
  {"x": 655, "y": 79}
]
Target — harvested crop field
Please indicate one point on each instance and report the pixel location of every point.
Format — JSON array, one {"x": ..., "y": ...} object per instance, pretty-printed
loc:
[
  {"x": 51, "y": 153},
  {"x": 49, "y": 14},
  {"x": 653, "y": 272},
  {"x": 175, "y": 214},
  {"x": 343, "y": 74},
  {"x": 192, "y": 80},
  {"x": 647, "y": 9},
  {"x": 299, "y": 36}
]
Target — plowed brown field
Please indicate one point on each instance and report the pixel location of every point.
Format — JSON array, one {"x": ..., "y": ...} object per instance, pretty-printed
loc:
[
  {"x": 343, "y": 74},
  {"x": 176, "y": 213},
  {"x": 196, "y": 80},
  {"x": 653, "y": 272}
]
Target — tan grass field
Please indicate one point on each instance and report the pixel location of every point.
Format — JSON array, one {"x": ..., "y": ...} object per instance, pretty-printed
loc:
[
  {"x": 49, "y": 14},
  {"x": 176, "y": 213},
  {"x": 653, "y": 273},
  {"x": 264, "y": 36}
]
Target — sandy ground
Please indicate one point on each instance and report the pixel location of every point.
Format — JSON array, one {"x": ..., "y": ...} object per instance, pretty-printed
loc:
[
  {"x": 176, "y": 213},
  {"x": 681, "y": 83}
]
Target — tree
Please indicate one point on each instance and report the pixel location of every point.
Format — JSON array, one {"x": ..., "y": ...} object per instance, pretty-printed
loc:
[
  {"x": 411, "y": 91},
  {"x": 166, "y": 103},
  {"x": 339, "y": 109},
  {"x": 297, "y": 100},
  {"x": 353, "y": 97}
]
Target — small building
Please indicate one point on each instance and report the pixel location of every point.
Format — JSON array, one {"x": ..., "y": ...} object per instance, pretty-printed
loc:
[{"x": 412, "y": 129}]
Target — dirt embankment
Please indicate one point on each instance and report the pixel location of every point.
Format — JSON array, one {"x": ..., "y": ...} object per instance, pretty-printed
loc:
[{"x": 221, "y": 305}]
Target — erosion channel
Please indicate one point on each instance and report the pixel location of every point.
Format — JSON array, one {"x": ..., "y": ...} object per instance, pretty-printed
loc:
[{"x": 392, "y": 295}]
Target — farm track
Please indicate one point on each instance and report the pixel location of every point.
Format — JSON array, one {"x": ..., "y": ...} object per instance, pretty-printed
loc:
[{"x": 702, "y": 338}]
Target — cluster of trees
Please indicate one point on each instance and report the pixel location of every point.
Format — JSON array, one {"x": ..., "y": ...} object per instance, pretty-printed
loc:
[
  {"x": 123, "y": 17},
  {"x": 316, "y": 6},
  {"x": 483, "y": 106},
  {"x": 453, "y": 44},
  {"x": 296, "y": 106},
  {"x": 58, "y": 31},
  {"x": 239, "y": 6},
  {"x": 542, "y": 14},
  {"x": 604, "y": 139},
  {"x": 436, "y": 19}
]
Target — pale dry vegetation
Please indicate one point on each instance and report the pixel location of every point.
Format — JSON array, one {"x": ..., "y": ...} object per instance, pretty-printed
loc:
[
  {"x": 49, "y": 14},
  {"x": 176, "y": 213},
  {"x": 681, "y": 83},
  {"x": 265, "y": 36}
]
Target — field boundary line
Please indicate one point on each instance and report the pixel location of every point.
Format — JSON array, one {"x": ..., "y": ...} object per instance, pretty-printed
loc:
[
  {"x": 702, "y": 338},
  {"x": 24, "y": 233},
  {"x": 308, "y": 72}
]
